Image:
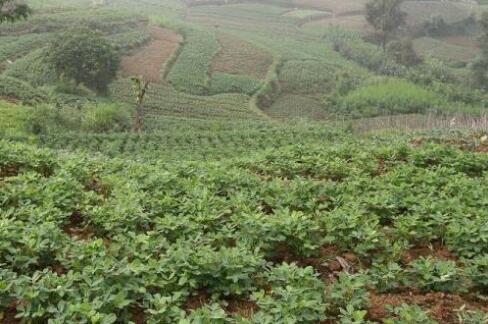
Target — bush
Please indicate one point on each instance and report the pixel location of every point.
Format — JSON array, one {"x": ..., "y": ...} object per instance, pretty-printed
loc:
[
  {"x": 104, "y": 118},
  {"x": 91, "y": 118},
  {"x": 12, "y": 87},
  {"x": 403, "y": 52}
]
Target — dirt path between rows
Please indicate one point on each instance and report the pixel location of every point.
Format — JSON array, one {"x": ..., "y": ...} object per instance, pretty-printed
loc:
[{"x": 148, "y": 60}]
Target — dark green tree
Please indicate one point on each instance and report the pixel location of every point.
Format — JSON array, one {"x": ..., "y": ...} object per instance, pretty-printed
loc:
[
  {"x": 85, "y": 57},
  {"x": 386, "y": 17},
  {"x": 12, "y": 10},
  {"x": 479, "y": 68},
  {"x": 403, "y": 53}
]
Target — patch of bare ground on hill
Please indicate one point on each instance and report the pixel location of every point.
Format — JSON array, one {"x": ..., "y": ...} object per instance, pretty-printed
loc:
[
  {"x": 148, "y": 60},
  {"x": 237, "y": 56}
]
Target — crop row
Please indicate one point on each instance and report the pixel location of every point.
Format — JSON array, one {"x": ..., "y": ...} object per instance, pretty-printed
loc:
[
  {"x": 298, "y": 234},
  {"x": 190, "y": 73}
]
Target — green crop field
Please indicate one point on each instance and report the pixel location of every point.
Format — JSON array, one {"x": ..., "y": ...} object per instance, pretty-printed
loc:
[{"x": 243, "y": 162}]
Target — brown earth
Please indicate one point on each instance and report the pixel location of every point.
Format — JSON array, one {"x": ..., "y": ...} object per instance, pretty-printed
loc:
[
  {"x": 441, "y": 307},
  {"x": 435, "y": 251},
  {"x": 148, "y": 60},
  {"x": 242, "y": 307},
  {"x": 196, "y": 301},
  {"x": 76, "y": 229},
  {"x": 237, "y": 56},
  {"x": 10, "y": 99}
]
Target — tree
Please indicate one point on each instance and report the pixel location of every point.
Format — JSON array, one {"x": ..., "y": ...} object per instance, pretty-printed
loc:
[
  {"x": 85, "y": 57},
  {"x": 12, "y": 10},
  {"x": 140, "y": 86},
  {"x": 479, "y": 68},
  {"x": 386, "y": 17},
  {"x": 403, "y": 53}
]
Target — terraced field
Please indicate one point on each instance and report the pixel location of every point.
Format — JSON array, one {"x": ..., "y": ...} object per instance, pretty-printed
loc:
[
  {"x": 149, "y": 60},
  {"x": 419, "y": 12},
  {"x": 237, "y": 56},
  {"x": 455, "y": 49}
]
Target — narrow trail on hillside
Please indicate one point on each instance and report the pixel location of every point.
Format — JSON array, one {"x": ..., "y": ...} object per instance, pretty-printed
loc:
[{"x": 148, "y": 60}]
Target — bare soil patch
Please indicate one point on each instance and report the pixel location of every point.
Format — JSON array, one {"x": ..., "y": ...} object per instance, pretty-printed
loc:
[
  {"x": 237, "y": 56},
  {"x": 442, "y": 307},
  {"x": 148, "y": 60},
  {"x": 242, "y": 307},
  {"x": 436, "y": 251},
  {"x": 10, "y": 99},
  {"x": 196, "y": 301},
  {"x": 76, "y": 229}
]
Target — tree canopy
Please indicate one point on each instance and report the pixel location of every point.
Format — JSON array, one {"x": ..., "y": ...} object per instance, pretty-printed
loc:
[
  {"x": 12, "y": 10},
  {"x": 386, "y": 17},
  {"x": 479, "y": 67},
  {"x": 85, "y": 57}
]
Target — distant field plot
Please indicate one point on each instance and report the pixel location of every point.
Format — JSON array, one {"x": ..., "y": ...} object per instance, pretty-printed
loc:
[
  {"x": 45, "y": 5},
  {"x": 148, "y": 60},
  {"x": 288, "y": 107},
  {"x": 234, "y": 83},
  {"x": 242, "y": 17},
  {"x": 129, "y": 40},
  {"x": 465, "y": 41},
  {"x": 236, "y": 56},
  {"x": 190, "y": 73},
  {"x": 356, "y": 23},
  {"x": 455, "y": 49},
  {"x": 305, "y": 76},
  {"x": 163, "y": 100},
  {"x": 419, "y": 12},
  {"x": 303, "y": 16},
  {"x": 337, "y": 7},
  {"x": 15, "y": 47}
]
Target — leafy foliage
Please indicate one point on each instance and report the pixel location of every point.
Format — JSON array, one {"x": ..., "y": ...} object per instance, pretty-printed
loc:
[{"x": 84, "y": 57}]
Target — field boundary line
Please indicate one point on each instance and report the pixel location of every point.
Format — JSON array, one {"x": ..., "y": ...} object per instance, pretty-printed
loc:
[{"x": 271, "y": 77}]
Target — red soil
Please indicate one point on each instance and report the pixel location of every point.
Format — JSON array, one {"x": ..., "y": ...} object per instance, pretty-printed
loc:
[{"x": 149, "y": 60}]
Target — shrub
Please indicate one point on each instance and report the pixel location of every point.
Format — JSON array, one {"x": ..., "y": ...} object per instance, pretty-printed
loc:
[
  {"x": 97, "y": 118},
  {"x": 104, "y": 118},
  {"x": 403, "y": 52},
  {"x": 12, "y": 87}
]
